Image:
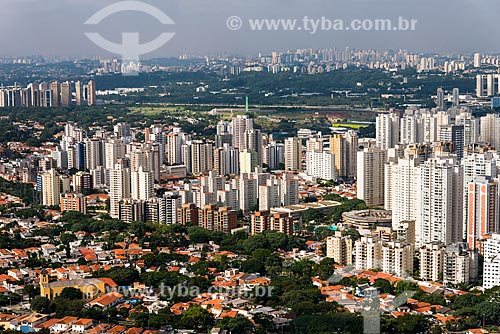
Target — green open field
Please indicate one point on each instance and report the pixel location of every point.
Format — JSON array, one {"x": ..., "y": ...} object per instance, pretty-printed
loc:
[{"x": 350, "y": 126}]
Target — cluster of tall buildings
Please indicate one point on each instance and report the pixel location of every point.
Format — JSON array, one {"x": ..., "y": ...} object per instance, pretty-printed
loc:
[
  {"x": 242, "y": 169},
  {"x": 487, "y": 85},
  {"x": 391, "y": 252},
  {"x": 437, "y": 168},
  {"x": 230, "y": 173},
  {"x": 53, "y": 94},
  {"x": 325, "y": 60}
]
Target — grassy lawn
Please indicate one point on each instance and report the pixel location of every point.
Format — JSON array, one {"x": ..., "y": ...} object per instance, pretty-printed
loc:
[{"x": 350, "y": 126}]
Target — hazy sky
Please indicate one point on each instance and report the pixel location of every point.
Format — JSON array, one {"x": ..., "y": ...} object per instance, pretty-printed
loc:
[{"x": 56, "y": 27}]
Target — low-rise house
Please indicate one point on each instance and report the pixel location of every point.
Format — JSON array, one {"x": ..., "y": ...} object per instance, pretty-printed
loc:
[
  {"x": 99, "y": 329},
  {"x": 5, "y": 320},
  {"x": 118, "y": 329},
  {"x": 64, "y": 324},
  {"x": 46, "y": 324},
  {"x": 81, "y": 325},
  {"x": 48, "y": 249},
  {"x": 107, "y": 300},
  {"x": 26, "y": 323}
]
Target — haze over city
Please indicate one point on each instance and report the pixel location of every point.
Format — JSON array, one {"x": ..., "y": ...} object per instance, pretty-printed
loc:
[
  {"x": 249, "y": 167},
  {"x": 56, "y": 27}
]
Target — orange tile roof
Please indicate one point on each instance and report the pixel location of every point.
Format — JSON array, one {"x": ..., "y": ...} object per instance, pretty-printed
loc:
[
  {"x": 230, "y": 314},
  {"x": 423, "y": 304},
  {"x": 4, "y": 277},
  {"x": 194, "y": 259},
  {"x": 101, "y": 328},
  {"x": 108, "y": 281},
  {"x": 67, "y": 320},
  {"x": 444, "y": 319},
  {"x": 48, "y": 323},
  {"x": 117, "y": 329},
  {"x": 478, "y": 331},
  {"x": 212, "y": 302},
  {"x": 107, "y": 299},
  {"x": 82, "y": 322}
]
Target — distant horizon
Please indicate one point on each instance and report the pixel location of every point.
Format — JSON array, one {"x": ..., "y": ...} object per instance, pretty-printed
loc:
[
  {"x": 57, "y": 27},
  {"x": 255, "y": 54}
]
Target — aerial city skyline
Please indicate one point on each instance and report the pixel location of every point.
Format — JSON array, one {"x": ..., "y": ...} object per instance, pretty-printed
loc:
[
  {"x": 202, "y": 27},
  {"x": 235, "y": 167}
]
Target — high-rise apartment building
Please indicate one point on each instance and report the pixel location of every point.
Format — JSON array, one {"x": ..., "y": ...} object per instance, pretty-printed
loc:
[
  {"x": 483, "y": 209},
  {"x": 188, "y": 214},
  {"x": 370, "y": 171},
  {"x": 440, "y": 99},
  {"x": 50, "y": 187},
  {"x": 264, "y": 221},
  {"x": 397, "y": 258},
  {"x": 339, "y": 149},
  {"x": 66, "y": 96},
  {"x": 248, "y": 191},
  {"x": 202, "y": 156},
  {"x": 248, "y": 160},
  {"x": 387, "y": 130},
  {"x": 403, "y": 188},
  {"x": 239, "y": 126},
  {"x": 56, "y": 94},
  {"x": 456, "y": 97},
  {"x": 459, "y": 264},
  {"x": 274, "y": 156},
  {"x": 321, "y": 165},
  {"x": 431, "y": 261},
  {"x": 293, "y": 154},
  {"x": 91, "y": 93},
  {"x": 490, "y": 130},
  {"x": 476, "y": 165},
  {"x": 440, "y": 202},
  {"x": 73, "y": 202},
  {"x": 368, "y": 253},
  {"x": 142, "y": 184},
  {"x": 227, "y": 160},
  {"x": 340, "y": 248},
  {"x": 491, "y": 268},
  {"x": 119, "y": 187},
  {"x": 289, "y": 189},
  {"x": 455, "y": 135},
  {"x": 218, "y": 219},
  {"x": 253, "y": 142},
  {"x": 79, "y": 93},
  {"x": 269, "y": 195}
]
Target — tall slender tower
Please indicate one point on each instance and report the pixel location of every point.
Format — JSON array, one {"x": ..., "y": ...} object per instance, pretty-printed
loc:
[
  {"x": 240, "y": 125},
  {"x": 440, "y": 98},
  {"x": 293, "y": 154},
  {"x": 387, "y": 130},
  {"x": 79, "y": 90},
  {"x": 119, "y": 187},
  {"x": 65, "y": 94},
  {"x": 92, "y": 93},
  {"x": 56, "y": 94},
  {"x": 370, "y": 171}
]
